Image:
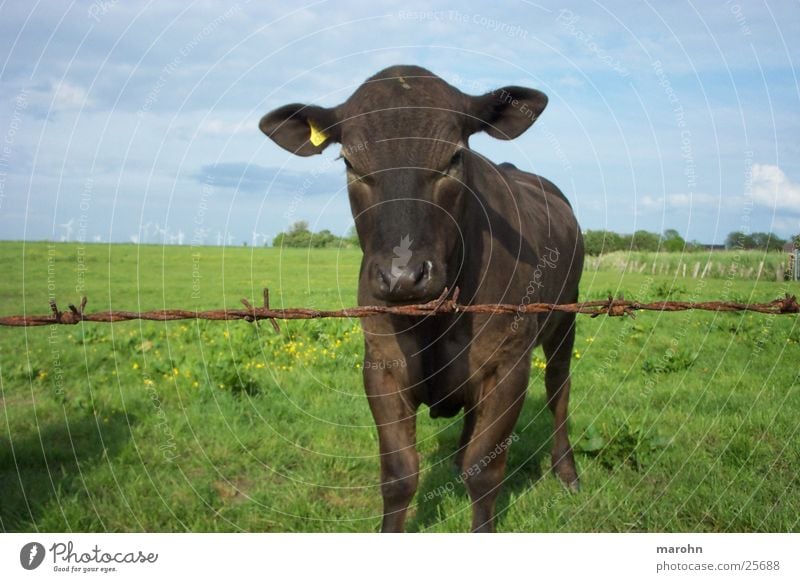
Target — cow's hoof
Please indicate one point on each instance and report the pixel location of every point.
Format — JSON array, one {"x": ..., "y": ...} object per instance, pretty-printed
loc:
[
  {"x": 563, "y": 465},
  {"x": 568, "y": 477},
  {"x": 571, "y": 486}
]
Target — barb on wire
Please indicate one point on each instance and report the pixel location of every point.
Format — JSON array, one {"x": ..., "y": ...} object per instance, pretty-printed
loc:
[
  {"x": 253, "y": 317},
  {"x": 442, "y": 305}
]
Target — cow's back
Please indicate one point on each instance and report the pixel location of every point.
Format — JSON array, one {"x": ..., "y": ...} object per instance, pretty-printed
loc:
[{"x": 531, "y": 247}]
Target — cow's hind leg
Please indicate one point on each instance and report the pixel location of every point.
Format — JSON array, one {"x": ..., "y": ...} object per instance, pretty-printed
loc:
[
  {"x": 395, "y": 418},
  {"x": 558, "y": 351},
  {"x": 484, "y": 461}
]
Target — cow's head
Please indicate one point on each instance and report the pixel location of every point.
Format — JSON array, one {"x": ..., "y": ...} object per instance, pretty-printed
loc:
[{"x": 404, "y": 135}]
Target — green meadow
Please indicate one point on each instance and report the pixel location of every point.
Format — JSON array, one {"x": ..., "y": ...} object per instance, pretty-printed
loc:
[{"x": 680, "y": 422}]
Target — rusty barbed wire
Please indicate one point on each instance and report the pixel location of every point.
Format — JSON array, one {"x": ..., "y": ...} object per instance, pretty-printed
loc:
[{"x": 443, "y": 305}]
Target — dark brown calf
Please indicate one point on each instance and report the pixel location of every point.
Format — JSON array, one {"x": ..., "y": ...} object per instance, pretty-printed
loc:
[{"x": 430, "y": 214}]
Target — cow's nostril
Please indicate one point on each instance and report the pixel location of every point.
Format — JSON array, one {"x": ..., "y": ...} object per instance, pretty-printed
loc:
[
  {"x": 423, "y": 273},
  {"x": 419, "y": 274},
  {"x": 383, "y": 277}
]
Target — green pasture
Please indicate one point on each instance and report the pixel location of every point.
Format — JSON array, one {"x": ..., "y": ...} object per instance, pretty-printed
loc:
[
  {"x": 681, "y": 422},
  {"x": 700, "y": 264}
]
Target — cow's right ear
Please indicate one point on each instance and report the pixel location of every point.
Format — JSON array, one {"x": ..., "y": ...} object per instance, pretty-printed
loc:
[{"x": 303, "y": 130}]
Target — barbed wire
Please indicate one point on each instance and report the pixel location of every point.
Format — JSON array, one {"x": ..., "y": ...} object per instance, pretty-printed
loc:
[{"x": 443, "y": 305}]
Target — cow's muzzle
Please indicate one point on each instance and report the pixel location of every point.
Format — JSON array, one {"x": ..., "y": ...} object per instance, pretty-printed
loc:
[{"x": 415, "y": 281}]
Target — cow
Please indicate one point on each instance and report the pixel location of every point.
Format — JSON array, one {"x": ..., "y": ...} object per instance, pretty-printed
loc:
[{"x": 433, "y": 215}]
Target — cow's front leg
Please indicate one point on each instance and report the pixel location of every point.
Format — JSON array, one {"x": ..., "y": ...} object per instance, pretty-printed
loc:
[
  {"x": 466, "y": 437},
  {"x": 484, "y": 461},
  {"x": 395, "y": 417}
]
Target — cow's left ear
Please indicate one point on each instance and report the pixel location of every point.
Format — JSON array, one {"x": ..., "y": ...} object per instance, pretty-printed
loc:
[
  {"x": 506, "y": 113},
  {"x": 304, "y": 130}
]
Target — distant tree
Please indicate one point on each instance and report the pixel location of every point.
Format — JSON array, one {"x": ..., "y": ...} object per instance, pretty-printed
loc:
[
  {"x": 760, "y": 240},
  {"x": 324, "y": 239},
  {"x": 641, "y": 240},
  {"x": 693, "y": 246},
  {"x": 670, "y": 233},
  {"x": 298, "y": 235},
  {"x": 767, "y": 241},
  {"x": 796, "y": 239},
  {"x": 598, "y": 242},
  {"x": 775, "y": 242},
  {"x": 764, "y": 241},
  {"x": 672, "y": 241},
  {"x": 739, "y": 240},
  {"x": 300, "y": 225},
  {"x": 593, "y": 242}
]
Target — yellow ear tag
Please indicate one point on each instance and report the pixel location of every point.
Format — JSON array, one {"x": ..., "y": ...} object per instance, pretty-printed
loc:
[{"x": 317, "y": 135}]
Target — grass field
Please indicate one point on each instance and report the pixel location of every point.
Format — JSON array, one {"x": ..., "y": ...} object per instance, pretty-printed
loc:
[
  {"x": 734, "y": 264},
  {"x": 681, "y": 422}
]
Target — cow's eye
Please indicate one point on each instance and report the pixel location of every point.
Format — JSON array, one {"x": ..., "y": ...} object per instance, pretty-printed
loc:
[
  {"x": 454, "y": 167},
  {"x": 353, "y": 175},
  {"x": 350, "y": 170}
]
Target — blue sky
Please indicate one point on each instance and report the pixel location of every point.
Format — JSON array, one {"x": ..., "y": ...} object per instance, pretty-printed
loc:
[{"x": 138, "y": 121}]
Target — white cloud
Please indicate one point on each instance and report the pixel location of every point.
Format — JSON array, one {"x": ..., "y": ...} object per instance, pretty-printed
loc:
[
  {"x": 68, "y": 96},
  {"x": 679, "y": 200},
  {"x": 570, "y": 81},
  {"x": 222, "y": 128},
  {"x": 52, "y": 96},
  {"x": 771, "y": 187},
  {"x": 647, "y": 202},
  {"x": 697, "y": 200},
  {"x": 785, "y": 224}
]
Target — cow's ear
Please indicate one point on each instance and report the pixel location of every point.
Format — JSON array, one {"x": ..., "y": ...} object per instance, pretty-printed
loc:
[
  {"x": 506, "y": 113},
  {"x": 304, "y": 130}
]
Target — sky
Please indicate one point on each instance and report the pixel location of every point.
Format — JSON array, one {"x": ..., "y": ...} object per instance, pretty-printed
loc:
[{"x": 133, "y": 121}]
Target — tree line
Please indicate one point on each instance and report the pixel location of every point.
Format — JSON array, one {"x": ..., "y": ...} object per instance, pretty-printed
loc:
[
  {"x": 300, "y": 236},
  {"x": 596, "y": 242}
]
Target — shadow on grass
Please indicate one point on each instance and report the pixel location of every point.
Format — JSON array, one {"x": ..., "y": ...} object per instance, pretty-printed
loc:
[
  {"x": 535, "y": 430},
  {"x": 44, "y": 466}
]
